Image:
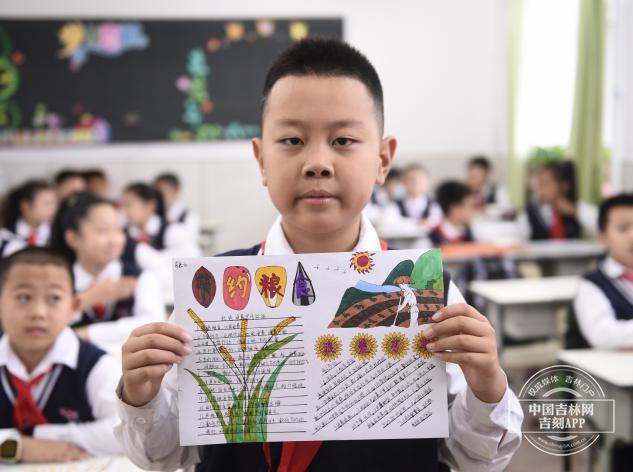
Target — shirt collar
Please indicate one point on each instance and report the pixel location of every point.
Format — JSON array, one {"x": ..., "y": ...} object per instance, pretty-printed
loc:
[
  {"x": 152, "y": 227},
  {"x": 277, "y": 244},
  {"x": 64, "y": 351},
  {"x": 23, "y": 229},
  {"x": 84, "y": 279},
  {"x": 613, "y": 268},
  {"x": 452, "y": 231}
]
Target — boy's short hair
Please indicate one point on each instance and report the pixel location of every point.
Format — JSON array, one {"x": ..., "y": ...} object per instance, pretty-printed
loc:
[
  {"x": 620, "y": 200},
  {"x": 169, "y": 178},
  {"x": 480, "y": 161},
  {"x": 451, "y": 193},
  {"x": 66, "y": 174},
  {"x": 394, "y": 173},
  {"x": 326, "y": 57},
  {"x": 35, "y": 256},
  {"x": 94, "y": 174}
]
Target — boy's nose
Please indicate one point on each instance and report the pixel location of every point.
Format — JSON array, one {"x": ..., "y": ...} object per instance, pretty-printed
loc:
[
  {"x": 38, "y": 309},
  {"x": 318, "y": 165}
]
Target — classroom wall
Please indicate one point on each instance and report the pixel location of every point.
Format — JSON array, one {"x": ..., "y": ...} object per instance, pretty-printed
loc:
[{"x": 442, "y": 67}]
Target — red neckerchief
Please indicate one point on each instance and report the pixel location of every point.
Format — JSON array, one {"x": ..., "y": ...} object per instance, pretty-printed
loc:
[
  {"x": 297, "y": 456},
  {"x": 26, "y": 413},
  {"x": 557, "y": 230},
  {"x": 31, "y": 240}
]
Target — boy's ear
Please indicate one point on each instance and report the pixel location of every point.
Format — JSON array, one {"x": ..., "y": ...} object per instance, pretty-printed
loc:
[
  {"x": 387, "y": 154},
  {"x": 76, "y": 303},
  {"x": 258, "y": 153}
]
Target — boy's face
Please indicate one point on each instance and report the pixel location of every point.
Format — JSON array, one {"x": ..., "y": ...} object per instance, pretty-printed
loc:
[
  {"x": 476, "y": 177},
  {"x": 36, "y": 303},
  {"x": 417, "y": 182},
  {"x": 71, "y": 185},
  {"x": 618, "y": 235},
  {"x": 98, "y": 186},
  {"x": 100, "y": 237},
  {"x": 463, "y": 212},
  {"x": 321, "y": 152},
  {"x": 547, "y": 188}
]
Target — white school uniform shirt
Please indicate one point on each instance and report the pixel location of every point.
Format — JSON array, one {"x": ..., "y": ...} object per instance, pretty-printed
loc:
[
  {"x": 451, "y": 231},
  {"x": 415, "y": 206},
  {"x": 95, "y": 437},
  {"x": 148, "y": 305},
  {"x": 191, "y": 221},
  {"x": 159, "y": 262},
  {"x": 483, "y": 436},
  {"x": 43, "y": 232},
  {"x": 595, "y": 315},
  {"x": 11, "y": 241},
  {"x": 587, "y": 217}
]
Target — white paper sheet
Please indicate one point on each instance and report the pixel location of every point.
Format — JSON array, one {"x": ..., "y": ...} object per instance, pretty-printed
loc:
[{"x": 310, "y": 347}]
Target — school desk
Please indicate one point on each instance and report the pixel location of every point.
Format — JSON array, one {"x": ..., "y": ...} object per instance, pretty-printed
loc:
[
  {"x": 562, "y": 257},
  {"x": 404, "y": 236},
  {"x": 532, "y": 302},
  {"x": 613, "y": 370}
]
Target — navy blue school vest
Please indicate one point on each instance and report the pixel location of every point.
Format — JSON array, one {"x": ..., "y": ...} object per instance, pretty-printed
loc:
[
  {"x": 64, "y": 398},
  {"x": 333, "y": 456},
  {"x": 122, "y": 308},
  {"x": 492, "y": 195},
  {"x": 539, "y": 229},
  {"x": 423, "y": 215},
  {"x": 183, "y": 216},
  {"x": 621, "y": 305}
]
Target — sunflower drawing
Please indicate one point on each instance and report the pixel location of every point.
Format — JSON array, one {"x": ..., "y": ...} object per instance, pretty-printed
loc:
[
  {"x": 395, "y": 345},
  {"x": 419, "y": 346},
  {"x": 363, "y": 346},
  {"x": 328, "y": 347},
  {"x": 362, "y": 262}
]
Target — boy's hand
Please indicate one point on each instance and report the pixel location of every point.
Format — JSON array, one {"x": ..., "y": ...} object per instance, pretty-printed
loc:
[
  {"x": 148, "y": 354},
  {"x": 43, "y": 450},
  {"x": 470, "y": 338},
  {"x": 565, "y": 206}
]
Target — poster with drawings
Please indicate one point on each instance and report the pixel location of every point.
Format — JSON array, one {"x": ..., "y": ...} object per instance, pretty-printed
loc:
[{"x": 310, "y": 347}]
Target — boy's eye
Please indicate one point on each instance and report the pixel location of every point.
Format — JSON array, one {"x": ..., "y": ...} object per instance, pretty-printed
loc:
[
  {"x": 343, "y": 141},
  {"x": 23, "y": 298},
  {"x": 292, "y": 141},
  {"x": 54, "y": 299}
]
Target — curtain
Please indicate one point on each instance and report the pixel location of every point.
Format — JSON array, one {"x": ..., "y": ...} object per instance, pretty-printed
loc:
[{"x": 585, "y": 145}]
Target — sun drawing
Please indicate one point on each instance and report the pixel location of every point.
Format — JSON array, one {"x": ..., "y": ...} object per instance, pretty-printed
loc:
[
  {"x": 419, "y": 346},
  {"x": 363, "y": 346},
  {"x": 328, "y": 347},
  {"x": 362, "y": 262},
  {"x": 395, "y": 345}
]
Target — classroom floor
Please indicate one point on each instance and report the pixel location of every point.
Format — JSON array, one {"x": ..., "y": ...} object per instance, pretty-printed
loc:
[{"x": 530, "y": 459}]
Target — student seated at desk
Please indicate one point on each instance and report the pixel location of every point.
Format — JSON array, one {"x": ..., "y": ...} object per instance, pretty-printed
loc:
[
  {"x": 27, "y": 213},
  {"x": 155, "y": 241},
  {"x": 556, "y": 212},
  {"x": 418, "y": 204},
  {"x": 321, "y": 152},
  {"x": 57, "y": 401},
  {"x": 168, "y": 184},
  {"x": 115, "y": 295},
  {"x": 602, "y": 315},
  {"x": 458, "y": 206},
  {"x": 488, "y": 195}
]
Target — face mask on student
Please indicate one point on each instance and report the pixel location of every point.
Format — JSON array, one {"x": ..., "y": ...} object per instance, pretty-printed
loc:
[{"x": 399, "y": 192}]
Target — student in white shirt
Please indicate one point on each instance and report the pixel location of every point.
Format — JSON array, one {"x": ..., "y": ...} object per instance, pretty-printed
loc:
[
  {"x": 168, "y": 184},
  {"x": 116, "y": 295},
  {"x": 320, "y": 155},
  {"x": 157, "y": 241},
  {"x": 28, "y": 211},
  {"x": 488, "y": 196},
  {"x": 417, "y": 204},
  {"x": 556, "y": 212},
  {"x": 603, "y": 305},
  {"x": 56, "y": 392}
]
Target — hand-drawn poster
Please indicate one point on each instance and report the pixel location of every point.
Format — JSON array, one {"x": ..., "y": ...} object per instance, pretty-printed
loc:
[{"x": 310, "y": 347}]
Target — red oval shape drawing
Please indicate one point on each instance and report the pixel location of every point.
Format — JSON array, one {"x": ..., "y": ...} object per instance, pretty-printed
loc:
[
  {"x": 236, "y": 287},
  {"x": 203, "y": 286}
]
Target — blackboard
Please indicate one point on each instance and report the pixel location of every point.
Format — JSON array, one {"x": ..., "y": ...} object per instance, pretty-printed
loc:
[{"x": 65, "y": 82}]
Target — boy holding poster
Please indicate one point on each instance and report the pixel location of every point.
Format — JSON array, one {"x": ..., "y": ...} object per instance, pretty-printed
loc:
[{"x": 320, "y": 154}]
